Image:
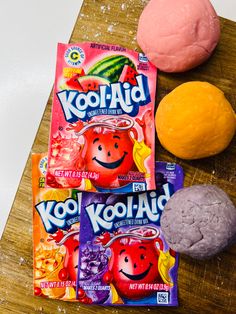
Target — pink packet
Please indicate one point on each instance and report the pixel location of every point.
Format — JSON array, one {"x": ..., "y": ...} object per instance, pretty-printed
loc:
[{"x": 102, "y": 130}]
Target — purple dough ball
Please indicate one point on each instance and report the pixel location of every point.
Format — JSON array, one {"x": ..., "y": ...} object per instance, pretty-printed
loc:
[{"x": 199, "y": 221}]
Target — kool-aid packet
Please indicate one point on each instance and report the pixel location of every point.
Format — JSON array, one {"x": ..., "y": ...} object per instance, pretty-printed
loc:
[
  {"x": 102, "y": 130},
  {"x": 123, "y": 256},
  {"x": 56, "y": 215}
]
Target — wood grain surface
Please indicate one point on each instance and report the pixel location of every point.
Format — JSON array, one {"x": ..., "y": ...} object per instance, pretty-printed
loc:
[{"x": 204, "y": 286}]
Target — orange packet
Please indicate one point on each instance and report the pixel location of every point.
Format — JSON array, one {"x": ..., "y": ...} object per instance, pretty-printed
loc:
[{"x": 56, "y": 215}]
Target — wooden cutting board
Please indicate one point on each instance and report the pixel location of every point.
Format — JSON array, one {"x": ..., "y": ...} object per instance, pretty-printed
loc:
[{"x": 204, "y": 286}]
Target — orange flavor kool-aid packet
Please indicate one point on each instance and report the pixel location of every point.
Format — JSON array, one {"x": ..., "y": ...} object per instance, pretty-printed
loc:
[
  {"x": 56, "y": 215},
  {"x": 102, "y": 134}
]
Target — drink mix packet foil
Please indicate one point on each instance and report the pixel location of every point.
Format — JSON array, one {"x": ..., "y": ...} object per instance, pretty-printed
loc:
[
  {"x": 102, "y": 129},
  {"x": 123, "y": 256},
  {"x": 56, "y": 215}
]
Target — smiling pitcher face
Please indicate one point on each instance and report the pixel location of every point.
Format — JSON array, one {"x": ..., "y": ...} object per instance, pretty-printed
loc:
[
  {"x": 108, "y": 153},
  {"x": 136, "y": 263}
]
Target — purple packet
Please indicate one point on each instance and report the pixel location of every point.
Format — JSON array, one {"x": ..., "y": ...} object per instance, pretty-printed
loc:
[{"x": 124, "y": 258}]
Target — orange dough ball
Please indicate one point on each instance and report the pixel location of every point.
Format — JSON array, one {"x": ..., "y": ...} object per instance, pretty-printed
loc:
[{"x": 195, "y": 121}]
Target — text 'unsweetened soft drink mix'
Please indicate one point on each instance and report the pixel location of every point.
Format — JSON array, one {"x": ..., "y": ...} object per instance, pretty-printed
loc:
[{"x": 102, "y": 130}]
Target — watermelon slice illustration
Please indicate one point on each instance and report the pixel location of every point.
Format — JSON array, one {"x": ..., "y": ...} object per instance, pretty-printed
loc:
[
  {"x": 73, "y": 83},
  {"x": 86, "y": 83},
  {"x": 128, "y": 74},
  {"x": 92, "y": 82}
]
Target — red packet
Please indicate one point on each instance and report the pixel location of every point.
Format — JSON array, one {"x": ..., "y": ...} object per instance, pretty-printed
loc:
[{"x": 102, "y": 135}]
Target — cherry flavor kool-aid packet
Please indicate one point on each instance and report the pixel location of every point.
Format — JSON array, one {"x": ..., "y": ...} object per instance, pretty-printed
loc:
[
  {"x": 123, "y": 256},
  {"x": 56, "y": 215},
  {"x": 102, "y": 129}
]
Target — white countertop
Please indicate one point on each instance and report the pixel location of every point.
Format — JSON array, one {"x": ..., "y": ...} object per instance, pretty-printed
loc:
[
  {"x": 29, "y": 32},
  {"x": 225, "y": 8}
]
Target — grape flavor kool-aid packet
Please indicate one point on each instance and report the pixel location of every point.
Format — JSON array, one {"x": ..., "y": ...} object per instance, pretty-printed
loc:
[
  {"x": 56, "y": 224},
  {"x": 102, "y": 128},
  {"x": 124, "y": 258}
]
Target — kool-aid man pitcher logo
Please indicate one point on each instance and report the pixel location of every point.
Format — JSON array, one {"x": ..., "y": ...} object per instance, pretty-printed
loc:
[
  {"x": 60, "y": 215},
  {"x": 116, "y": 98},
  {"x": 147, "y": 206}
]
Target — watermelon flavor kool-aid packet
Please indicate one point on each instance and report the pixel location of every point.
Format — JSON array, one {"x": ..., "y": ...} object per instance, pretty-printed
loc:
[
  {"x": 102, "y": 129},
  {"x": 56, "y": 215},
  {"x": 123, "y": 256}
]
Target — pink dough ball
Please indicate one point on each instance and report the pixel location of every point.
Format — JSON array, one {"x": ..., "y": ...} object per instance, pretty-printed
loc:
[{"x": 178, "y": 35}]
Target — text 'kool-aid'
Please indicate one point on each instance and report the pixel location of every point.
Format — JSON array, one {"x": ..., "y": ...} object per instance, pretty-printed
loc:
[{"x": 102, "y": 129}]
